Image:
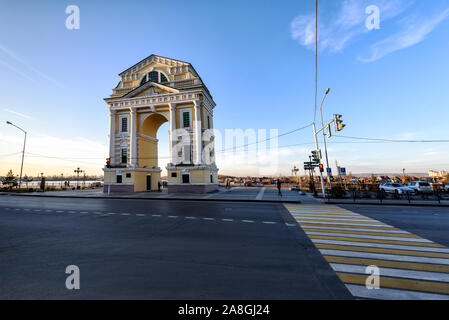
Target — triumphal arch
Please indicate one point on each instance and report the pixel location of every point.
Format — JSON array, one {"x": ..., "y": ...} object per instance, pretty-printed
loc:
[{"x": 149, "y": 93}]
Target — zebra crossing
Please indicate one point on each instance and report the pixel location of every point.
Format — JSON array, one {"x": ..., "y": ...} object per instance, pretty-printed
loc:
[{"x": 410, "y": 267}]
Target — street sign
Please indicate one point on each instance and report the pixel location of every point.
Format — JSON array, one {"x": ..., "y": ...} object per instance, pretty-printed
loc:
[
  {"x": 342, "y": 171},
  {"x": 329, "y": 171}
]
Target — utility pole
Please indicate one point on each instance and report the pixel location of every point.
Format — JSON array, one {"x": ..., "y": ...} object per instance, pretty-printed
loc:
[
  {"x": 23, "y": 151},
  {"x": 324, "y": 136},
  {"x": 317, "y": 148}
]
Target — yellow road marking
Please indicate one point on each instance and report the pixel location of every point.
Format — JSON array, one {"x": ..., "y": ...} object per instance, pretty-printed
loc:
[
  {"x": 381, "y": 250},
  {"x": 341, "y": 221},
  {"x": 398, "y": 283},
  {"x": 365, "y": 233},
  {"x": 408, "y": 243},
  {"x": 305, "y": 224},
  {"x": 389, "y": 264}
]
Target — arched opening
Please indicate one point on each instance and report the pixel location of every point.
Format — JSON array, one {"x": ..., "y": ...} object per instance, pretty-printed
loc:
[
  {"x": 154, "y": 76},
  {"x": 148, "y": 143}
]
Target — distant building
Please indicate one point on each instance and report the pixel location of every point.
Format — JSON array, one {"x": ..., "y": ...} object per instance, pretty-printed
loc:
[{"x": 437, "y": 174}]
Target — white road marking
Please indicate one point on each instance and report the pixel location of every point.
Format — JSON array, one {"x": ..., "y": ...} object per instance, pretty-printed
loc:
[
  {"x": 357, "y": 229},
  {"x": 59, "y": 211},
  {"x": 338, "y": 219},
  {"x": 172, "y": 217},
  {"x": 389, "y": 272},
  {"x": 393, "y": 294},
  {"x": 249, "y": 221},
  {"x": 140, "y": 214},
  {"x": 347, "y": 223},
  {"x": 228, "y": 220},
  {"x": 84, "y": 212},
  {"x": 125, "y": 214},
  {"x": 383, "y": 256},
  {"x": 361, "y": 236},
  {"x": 381, "y": 245},
  {"x": 155, "y": 215},
  {"x": 72, "y": 211},
  {"x": 190, "y": 218},
  {"x": 291, "y": 224},
  {"x": 269, "y": 222},
  {"x": 208, "y": 218},
  {"x": 260, "y": 194}
]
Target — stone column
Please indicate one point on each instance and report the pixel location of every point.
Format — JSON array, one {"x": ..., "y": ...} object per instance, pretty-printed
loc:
[
  {"x": 172, "y": 137},
  {"x": 197, "y": 133},
  {"x": 133, "y": 137},
  {"x": 112, "y": 114}
]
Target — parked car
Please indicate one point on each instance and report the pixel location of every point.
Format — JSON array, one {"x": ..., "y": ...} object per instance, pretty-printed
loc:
[
  {"x": 395, "y": 188},
  {"x": 446, "y": 187},
  {"x": 420, "y": 186}
]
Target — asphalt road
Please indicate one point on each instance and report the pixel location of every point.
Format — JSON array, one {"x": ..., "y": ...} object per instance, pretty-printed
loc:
[{"x": 144, "y": 249}]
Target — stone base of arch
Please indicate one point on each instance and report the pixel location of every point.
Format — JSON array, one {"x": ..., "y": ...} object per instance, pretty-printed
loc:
[
  {"x": 192, "y": 179},
  {"x": 132, "y": 179}
]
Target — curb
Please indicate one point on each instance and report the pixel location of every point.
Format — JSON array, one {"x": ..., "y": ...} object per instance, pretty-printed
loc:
[{"x": 175, "y": 199}]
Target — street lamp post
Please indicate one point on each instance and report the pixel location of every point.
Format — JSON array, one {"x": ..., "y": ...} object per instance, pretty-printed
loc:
[{"x": 23, "y": 151}]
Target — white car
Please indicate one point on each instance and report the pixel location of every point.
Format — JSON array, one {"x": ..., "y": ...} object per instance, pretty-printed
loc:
[
  {"x": 395, "y": 188},
  {"x": 420, "y": 186}
]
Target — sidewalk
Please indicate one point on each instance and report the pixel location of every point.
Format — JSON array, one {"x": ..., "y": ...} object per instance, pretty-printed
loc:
[
  {"x": 422, "y": 203},
  {"x": 245, "y": 194}
]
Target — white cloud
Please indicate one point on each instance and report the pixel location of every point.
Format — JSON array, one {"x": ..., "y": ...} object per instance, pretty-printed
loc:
[
  {"x": 414, "y": 31},
  {"x": 17, "y": 113},
  {"x": 50, "y": 154},
  {"x": 26, "y": 70},
  {"x": 336, "y": 30},
  {"x": 347, "y": 23}
]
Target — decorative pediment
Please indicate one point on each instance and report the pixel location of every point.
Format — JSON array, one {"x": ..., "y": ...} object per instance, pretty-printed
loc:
[
  {"x": 150, "y": 89},
  {"x": 156, "y": 60}
]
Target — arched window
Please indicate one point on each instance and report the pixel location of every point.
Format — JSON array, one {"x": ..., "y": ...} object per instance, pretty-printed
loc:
[{"x": 154, "y": 76}]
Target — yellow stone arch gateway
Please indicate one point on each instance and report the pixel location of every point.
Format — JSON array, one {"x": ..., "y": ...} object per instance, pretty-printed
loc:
[{"x": 154, "y": 91}]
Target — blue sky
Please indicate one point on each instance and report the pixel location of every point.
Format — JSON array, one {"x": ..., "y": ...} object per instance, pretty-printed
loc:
[{"x": 257, "y": 59}]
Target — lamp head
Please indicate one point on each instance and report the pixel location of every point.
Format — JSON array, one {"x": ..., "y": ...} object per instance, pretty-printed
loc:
[
  {"x": 8, "y": 122},
  {"x": 328, "y": 90}
]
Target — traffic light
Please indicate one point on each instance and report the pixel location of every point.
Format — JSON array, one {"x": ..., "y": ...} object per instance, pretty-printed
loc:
[
  {"x": 108, "y": 162},
  {"x": 329, "y": 131},
  {"x": 338, "y": 122},
  {"x": 321, "y": 167},
  {"x": 316, "y": 155}
]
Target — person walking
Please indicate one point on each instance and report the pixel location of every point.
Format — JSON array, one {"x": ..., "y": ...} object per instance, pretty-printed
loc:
[{"x": 278, "y": 183}]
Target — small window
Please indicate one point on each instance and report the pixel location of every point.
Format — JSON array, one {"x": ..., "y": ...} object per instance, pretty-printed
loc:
[
  {"x": 163, "y": 78},
  {"x": 124, "y": 155},
  {"x": 174, "y": 174},
  {"x": 186, "y": 119},
  {"x": 208, "y": 122},
  {"x": 119, "y": 178},
  {"x": 186, "y": 178},
  {"x": 211, "y": 178},
  {"x": 124, "y": 125},
  {"x": 128, "y": 175}
]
